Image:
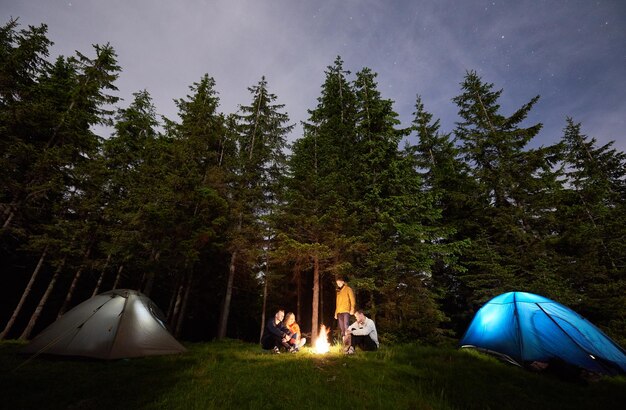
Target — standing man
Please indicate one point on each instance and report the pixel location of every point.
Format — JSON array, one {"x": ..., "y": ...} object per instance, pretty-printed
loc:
[
  {"x": 345, "y": 304},
  {"x": 361, "y": 333},
  {"x": 276, "y": 334}
]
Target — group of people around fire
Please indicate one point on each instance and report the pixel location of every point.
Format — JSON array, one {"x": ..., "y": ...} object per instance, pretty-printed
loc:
[{"x": 282, "y": 332}]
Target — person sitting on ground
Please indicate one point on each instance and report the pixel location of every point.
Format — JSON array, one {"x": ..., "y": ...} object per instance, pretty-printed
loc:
[
  {"x": 297, "y": 341},
  {"x": 361, "y": 333},
  {"x": 276, "y": 335}
]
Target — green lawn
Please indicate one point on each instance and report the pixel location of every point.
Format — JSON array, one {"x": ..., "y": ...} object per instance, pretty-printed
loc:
[{"x": 237, "y": 375}]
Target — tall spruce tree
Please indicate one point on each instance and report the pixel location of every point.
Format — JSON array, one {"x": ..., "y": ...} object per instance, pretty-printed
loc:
[
  {"x": 22, "y": 64},
  {"x": 196, "y": 186},
  {"x": 398, "y": 236},
  {"x": 313, "y": 219},
  {"x": 512, "y": 208},
  {"x": 592, "y": 217},
  {"x": 67, "y": 99},
  {"x": 447, "y": 178},
  {"x": 261, "y": 133},
  {"x": 128, "y": 154}
]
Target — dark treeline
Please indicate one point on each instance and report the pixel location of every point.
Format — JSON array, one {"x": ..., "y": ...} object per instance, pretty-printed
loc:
[{"x": 220, "y": 222}]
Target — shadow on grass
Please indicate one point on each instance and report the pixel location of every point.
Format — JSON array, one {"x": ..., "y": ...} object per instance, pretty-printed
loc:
[
  {"x": 471, "y": 380},
  {"x": 52, "y": 382}
]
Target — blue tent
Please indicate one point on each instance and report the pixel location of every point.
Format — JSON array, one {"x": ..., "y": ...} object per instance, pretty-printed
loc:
[{"x": 525, "y": 328}]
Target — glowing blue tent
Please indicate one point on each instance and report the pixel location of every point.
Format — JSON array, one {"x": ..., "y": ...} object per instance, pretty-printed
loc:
[{"x": 524, "y": 328}]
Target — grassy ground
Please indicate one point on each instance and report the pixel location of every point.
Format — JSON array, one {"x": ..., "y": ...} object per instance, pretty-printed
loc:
[{"x": 237, "y": 375}]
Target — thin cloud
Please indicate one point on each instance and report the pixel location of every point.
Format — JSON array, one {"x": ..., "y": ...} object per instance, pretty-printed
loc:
[{"x": 570, "y": 53}]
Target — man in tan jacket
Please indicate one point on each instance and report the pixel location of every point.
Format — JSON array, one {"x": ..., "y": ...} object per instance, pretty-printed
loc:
[{"x": 345, "y": 304}]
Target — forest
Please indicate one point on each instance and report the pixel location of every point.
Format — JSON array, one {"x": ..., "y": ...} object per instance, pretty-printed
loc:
[{"x": 220, "y": 220}]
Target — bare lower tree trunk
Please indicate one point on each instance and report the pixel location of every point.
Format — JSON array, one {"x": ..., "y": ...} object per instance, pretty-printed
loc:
[
  {"x": 316, "y": 298},
  {"x": 72, "y": 288},
  {"x": 25, "y": 294},
  {"x": 33, "y": 319},
  {"x": 6, "y": 211},
  {"x": 7, "y": 222},
  {"x": 221, "y": 332},
  {"x": 175, "y": 316},
  {"x": 175, "y": 300},
  {"x": 142, "y": 282},
  {"x": 373, "y": 309},
  {"x": 101, "y": 277},
  {"x": 147, "y": 288},
  {"x": 265, "y": 284},
  {"x": 70, "y": 292},
  {"x": 175, "y": 313},
  {"x": 322, "y": 300},
  {"x": 298, "y": 273},
  {"x": 183, "y": 308},
  {"x": 118, "y": 276}
]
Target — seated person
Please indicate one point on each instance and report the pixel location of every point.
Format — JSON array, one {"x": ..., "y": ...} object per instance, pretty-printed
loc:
[
  {"x": 276, "y": 335},
  {"x": 361, "y": 333},
  {"x": 297, "y": 341}
]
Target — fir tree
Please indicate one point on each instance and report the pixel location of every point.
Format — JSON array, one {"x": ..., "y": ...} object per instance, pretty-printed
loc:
[
  {"x": 446, "y": 178},
  {"x": 512, "y": 205},
  {"x": 260, "y": 130},
  {"x": 398, "y": 236},
  {"x": 592, "y": 220},
  {"x": 319, "y": 186}
]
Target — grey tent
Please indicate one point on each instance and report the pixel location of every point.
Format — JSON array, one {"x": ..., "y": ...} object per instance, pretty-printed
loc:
[{"x": 117, "y": 324}]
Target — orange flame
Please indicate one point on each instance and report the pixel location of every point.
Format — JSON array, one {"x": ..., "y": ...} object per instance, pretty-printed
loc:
[{"x": 321, "y": 344}]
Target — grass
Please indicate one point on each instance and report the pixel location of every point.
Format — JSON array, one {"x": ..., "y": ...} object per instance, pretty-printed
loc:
[{"x": 233, "y": 374}]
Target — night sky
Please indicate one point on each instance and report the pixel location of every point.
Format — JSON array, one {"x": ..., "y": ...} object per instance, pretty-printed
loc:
[{"x": 571, "y": 53}]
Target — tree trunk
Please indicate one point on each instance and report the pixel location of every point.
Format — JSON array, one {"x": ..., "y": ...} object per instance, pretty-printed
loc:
[
  {"x": 316, "y": 298},
  {"x": 33, "y": 319},
  {"x": 118, "y": 276},
  {"x": 221, "y": 333},
  {"x": 70, "y": 292},
  {"x": 147, "y": 288},
  {"x": 373, "y": 306},
  {"x": 175, "y": 315},
  {"x": 298, "y": 269},
  {"x": 265, "y": 285},
  {"x": 6, "y": 211},
  {"x": 322, "y": 300},
  {"x": 25, "y": 294},
  {"x": 174, "y": 304},
  {"x": 101, "y": 277},
  {"x": 72, "y": 288},
  {"x": 183, "y": 308},
  {"x": 7, "y": 222}
]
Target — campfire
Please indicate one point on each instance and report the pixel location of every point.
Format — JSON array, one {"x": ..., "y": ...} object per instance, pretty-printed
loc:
[{"x": 321, "y": 344}]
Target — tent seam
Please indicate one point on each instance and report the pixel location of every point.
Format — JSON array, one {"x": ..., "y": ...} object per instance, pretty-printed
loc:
[
  {"x": 119, "y": 324},
  {"x": 572, "y": 339},
  {"x": 518, "y": 327}
]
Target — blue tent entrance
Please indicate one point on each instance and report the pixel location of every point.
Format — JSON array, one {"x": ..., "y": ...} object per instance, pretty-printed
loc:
[{"x": 524, "y": 328}]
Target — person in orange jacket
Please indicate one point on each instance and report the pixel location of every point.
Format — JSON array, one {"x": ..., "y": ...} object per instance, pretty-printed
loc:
[
  {"x": 276, "y": 334},
  {"x": 345, "y": 304},
  {"x": 296, "y": 341}
]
